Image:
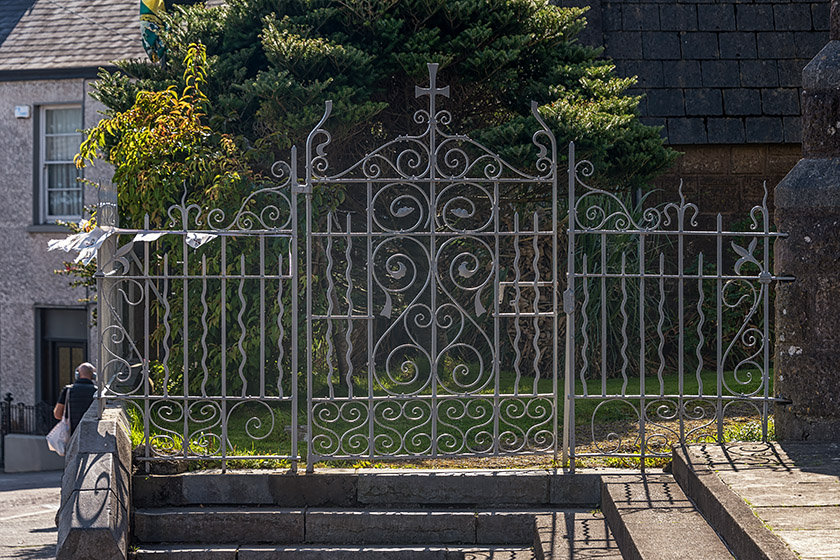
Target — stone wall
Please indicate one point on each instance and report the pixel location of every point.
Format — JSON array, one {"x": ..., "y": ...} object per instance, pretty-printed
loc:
[
  {"x": 727, "y": 178},
  {"x": 808, "y": 310},
  {"x": 93, "y": 521}
]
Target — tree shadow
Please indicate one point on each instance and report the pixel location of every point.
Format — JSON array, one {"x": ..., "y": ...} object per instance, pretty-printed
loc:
[{"x": 33, "y": 553}]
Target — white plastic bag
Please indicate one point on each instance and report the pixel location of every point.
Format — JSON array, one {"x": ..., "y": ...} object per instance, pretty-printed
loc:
[{"x": 59, "y": 436}]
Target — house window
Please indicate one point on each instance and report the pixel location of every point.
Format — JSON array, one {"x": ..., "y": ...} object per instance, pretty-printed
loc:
[{"x": 60, "y": 192}]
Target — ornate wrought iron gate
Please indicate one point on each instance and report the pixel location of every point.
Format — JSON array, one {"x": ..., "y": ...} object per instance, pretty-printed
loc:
[
  {"x": 664, "y": 346},
  {"x": 431, "y": 325},
  {"x": 426, "y": 290}
]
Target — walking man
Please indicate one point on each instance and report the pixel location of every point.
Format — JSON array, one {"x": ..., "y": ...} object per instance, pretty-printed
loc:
[{"x": 81, "y": 395}]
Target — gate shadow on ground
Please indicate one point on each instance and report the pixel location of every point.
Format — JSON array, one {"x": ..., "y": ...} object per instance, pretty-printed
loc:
[
  {"x": 813, "y": 457},
  {"x": 575, "y": 535}
]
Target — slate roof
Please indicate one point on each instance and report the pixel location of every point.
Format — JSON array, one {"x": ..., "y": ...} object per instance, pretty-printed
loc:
[
  {"x": 714, "y": 71},
  {"x": 63, "y": 37}
]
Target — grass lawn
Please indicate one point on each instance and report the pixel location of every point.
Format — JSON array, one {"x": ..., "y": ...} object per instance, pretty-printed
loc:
[{"x": 262, "y": 429}]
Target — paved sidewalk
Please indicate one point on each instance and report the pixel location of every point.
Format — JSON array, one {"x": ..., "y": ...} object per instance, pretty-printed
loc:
[
  {"x": 28, "y": 502},
  {"x": 794, "y": 488}
]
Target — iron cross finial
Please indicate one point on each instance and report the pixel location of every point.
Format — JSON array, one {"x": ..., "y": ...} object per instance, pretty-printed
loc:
[{"x": 432, "y": 91}]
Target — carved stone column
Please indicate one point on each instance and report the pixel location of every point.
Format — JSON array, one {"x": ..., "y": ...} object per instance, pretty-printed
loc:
[{"x": 807, "y": 364}]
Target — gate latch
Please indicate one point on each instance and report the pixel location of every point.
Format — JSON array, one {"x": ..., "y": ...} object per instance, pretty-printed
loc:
[{"x": 302, "y": 188}]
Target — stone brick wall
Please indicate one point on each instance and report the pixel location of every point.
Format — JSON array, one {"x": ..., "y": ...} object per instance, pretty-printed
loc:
[{"x": 727, "y": 178}]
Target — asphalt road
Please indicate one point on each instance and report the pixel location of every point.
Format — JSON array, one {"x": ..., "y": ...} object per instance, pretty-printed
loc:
[{"x": 28, "y": 502}]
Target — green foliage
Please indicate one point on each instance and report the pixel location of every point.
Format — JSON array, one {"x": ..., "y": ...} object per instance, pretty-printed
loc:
[
  {"x": 161, "y": 148},
  {"x": 274, "y": 63},
  {"x": 750, "y": 431},
  {"x": 247, "y": 80}
]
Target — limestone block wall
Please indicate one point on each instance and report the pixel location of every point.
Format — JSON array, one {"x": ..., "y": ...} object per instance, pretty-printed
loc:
[{"x": 726, "y": 178}]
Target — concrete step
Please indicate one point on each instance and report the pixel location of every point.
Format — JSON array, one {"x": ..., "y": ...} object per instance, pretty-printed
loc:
[
  {"x": 219, "y": 525},
  {"x": 337, "y": 552},
  {"x": 253, "y": 525},
  {"x": 573, "y": 535},
  {"x": 652, "y": 519},
  {"x": 369, "y": 487}
]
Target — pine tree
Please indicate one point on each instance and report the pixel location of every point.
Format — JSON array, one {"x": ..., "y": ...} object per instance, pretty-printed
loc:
[{"x": 273, "y": 64}]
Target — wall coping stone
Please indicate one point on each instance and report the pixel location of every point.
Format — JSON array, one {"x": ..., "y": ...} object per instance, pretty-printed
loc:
[
  {"x": 812, "y": 183},
  {"x": 823, "y": 72},
  {"x": 96, "y": 488}
]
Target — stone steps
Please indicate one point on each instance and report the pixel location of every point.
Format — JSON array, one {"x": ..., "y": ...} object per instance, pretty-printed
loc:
[
  {"x": 255, "y": 525},
  {"x": 321, "y": 552},
  {"x": 652, "y": 519},
  {"x": 408, "y": 515},
  {"x": 370, "y": 514},
  {"x": 369, "y": 487},
  {"x": 574, "y": 535}
]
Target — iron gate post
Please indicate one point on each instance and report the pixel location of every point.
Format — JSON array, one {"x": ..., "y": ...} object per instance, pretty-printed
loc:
[{"x": 569, "y": 309}]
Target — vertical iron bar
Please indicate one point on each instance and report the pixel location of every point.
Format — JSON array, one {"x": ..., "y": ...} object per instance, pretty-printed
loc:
[
  {"x": 223, "y": 344},
  {"x": 294, "y": 273},
  {"x": 243, "y": 357},
  {"x": 584, "y": 326},
  {"x": 624, "y": 319},
  {"x": 764, "y": 279},
  {"x": 330, "y": 289},
  {"x": 166, "y": 319},
  {"x": 185, "y": 443},
  {"x": 642, "y": 411},
  {"x": 281, "y": 331},
  {"x": 719, "y": 330},
  {"x": 536, "y": 265},
  {"x": 701, "y": 321},
  {"x": 145, "y": 365},
  {"x": 659, "y": 325},
  {"x": 349, "y": 296},
  {"x": 516, "y": 307},
  {"x": 433, "y": 221},
  {"x": 371, "y": 362},
  {"x": 205, "y": 310},
  {"x": 569, "y": 309},
  {"x": 497, "y": 341},
  {"x": 310, "y": 451},
  {"x": 681, "y": 316},
  {"x": 555, "y": 287},
  {"x": 262, "y": 316},
  {"x": 100, "y": 313},
  {"x": 603, "y": 314}
]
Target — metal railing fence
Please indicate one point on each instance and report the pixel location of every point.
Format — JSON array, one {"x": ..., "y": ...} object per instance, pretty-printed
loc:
[{"x": 419, "y": 315}]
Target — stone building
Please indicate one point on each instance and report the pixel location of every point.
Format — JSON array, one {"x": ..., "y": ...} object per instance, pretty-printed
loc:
[
  {"x": 722, "y": 77},
  {"x": 49, "y": 54}
]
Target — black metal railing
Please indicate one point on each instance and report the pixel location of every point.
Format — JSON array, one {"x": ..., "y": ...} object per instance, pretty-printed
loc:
[{"x": 21, "y": 418}]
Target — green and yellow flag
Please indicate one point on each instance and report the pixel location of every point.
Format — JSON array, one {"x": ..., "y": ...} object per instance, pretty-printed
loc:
[{"x": 150, "y": 26}]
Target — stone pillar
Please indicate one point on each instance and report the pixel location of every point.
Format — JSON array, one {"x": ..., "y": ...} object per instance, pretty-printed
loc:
[{"x": 807, "y": 359}]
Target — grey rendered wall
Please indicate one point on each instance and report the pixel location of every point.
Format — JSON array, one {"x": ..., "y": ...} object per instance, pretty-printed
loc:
[{"x": 26, "y": 268}]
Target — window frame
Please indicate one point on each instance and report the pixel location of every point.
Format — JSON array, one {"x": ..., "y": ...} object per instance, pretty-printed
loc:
[{"x": 41, "y": 164}]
